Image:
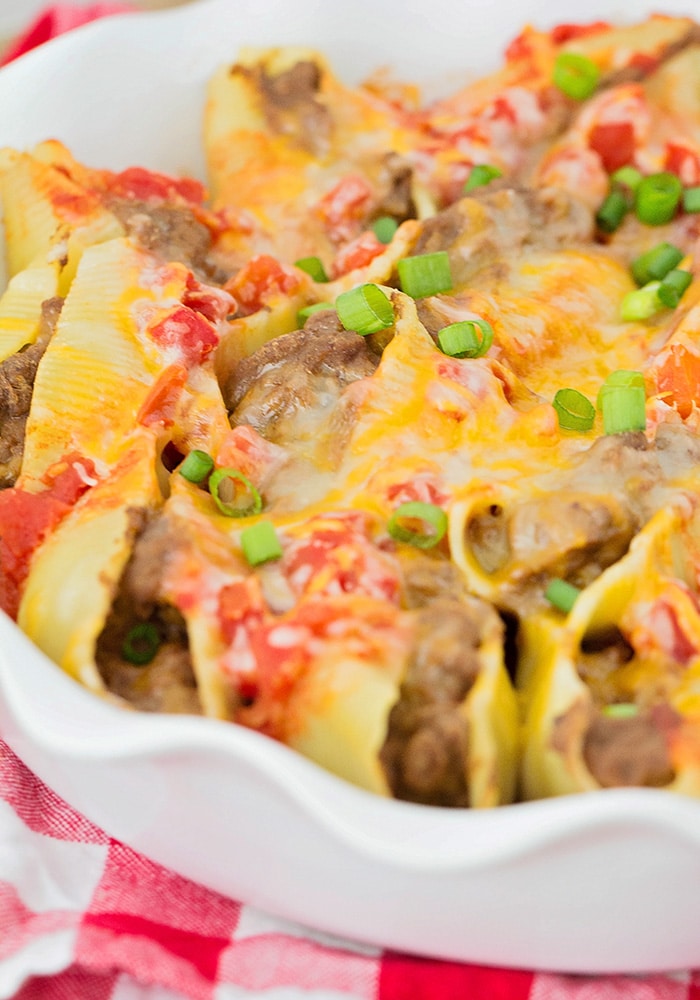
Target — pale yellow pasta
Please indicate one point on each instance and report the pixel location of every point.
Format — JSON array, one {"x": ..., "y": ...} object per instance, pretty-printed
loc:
[
  {"x": 559, "y": 705},
  {"x": 20, "y": 306},
  {"x": 48, "y": 216},
  {"x": 74, "y": 574}
]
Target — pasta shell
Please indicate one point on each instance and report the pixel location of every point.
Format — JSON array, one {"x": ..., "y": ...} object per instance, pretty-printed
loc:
[
  {"x": 74, "y": 573},
  {"x": 49, "y": 216},
  {"x": 20, "y": 306},
  {"x": 563, "y": 695},
  {"x": 102, "y": 364}
]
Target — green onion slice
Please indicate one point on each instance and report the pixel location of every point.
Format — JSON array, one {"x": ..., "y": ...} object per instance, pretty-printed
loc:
[
  {"x": 365, "y": 309},
  {"x": 621, "y": 710},
  {"x": 622, "y": 377},
  {"x": 574, "y": 410},
  {"x": 141, "y": 643},
  {"x": 234, "y": 494},
  {"x": 384, "y": 228},
  {"x": 641, "y": 304},
  {"x": 575, "y": 75},
  {"x": 691, "y": 199},
  {"x": 561, "y": 595},
  {"x": 657, "y": 198},
  {"x": 480, "y": 175},
  {"x": 656, "y": 263},
  {"x": 313, "y": 267},
  {"x": 419, "y": 524},
  {"x": 471, "y": 338},
  {"x": 196, "y": 466},
  {"x": 424, "y": 275},
  {"x": 611, "y": 213},
  {"x": 673, "y": 286},
  {"x": 260, "y": 543},
  {"x": 307, "y": 311},
  {"x": 622, "y": 402},
  {"x": 627, "y": 177}
]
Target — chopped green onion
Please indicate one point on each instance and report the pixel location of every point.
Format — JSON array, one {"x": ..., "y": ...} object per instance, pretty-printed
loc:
[
  {"x": 480, "y": 175},
  {"x": 611, "y": 213},
  {"x": 432, "y": 524},
  {"x": 641, "y": 304},
  {"x": 622, "y": 401},
  {"x": 307, "y": 311},
  {"x": 575, "y": 75},
  {"x": 196, "y": 466},
  {"x": 691, "y": 199},
  {"x": 626, "y": 177},
  {"x": 673, "y": 287},
  {"x": 561, "y": 595},
  {"x": 574, "y": 410},
  {"x": 225, "y": 481},
  {"x": 426, "y": 274},
  {"x": 656, "y": 263},
  {"x": 260, "y": 543},
  {"x": 384, "y": 228},
  {"x": 621, "y": 710},
  {"x": 141, "y": 643},
  {"x": 313, "y": 267},
  {"x": 471, "y": 338},
  {"x": 657, "y": 198},
  {"x": 365, "y": 309},
  {"x": 622, "y": 377}
]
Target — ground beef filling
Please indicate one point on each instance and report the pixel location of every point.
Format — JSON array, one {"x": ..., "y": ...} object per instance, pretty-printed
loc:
[
  {"x": 279, "y": 388},
  {"x": 425, "y": 753},
  {"x": 172, "y": 232},
  {"x": 628, "y": 752},
  {"x": 17, "y": 375},
  {"x": 167, "y": 682}
]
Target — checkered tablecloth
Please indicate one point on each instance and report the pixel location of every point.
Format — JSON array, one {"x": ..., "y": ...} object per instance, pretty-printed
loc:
[{"x": 84, "y": 917}]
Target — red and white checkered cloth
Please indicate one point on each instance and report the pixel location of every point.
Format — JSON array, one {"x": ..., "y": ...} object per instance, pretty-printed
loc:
[{"x": 83, "y": 917}]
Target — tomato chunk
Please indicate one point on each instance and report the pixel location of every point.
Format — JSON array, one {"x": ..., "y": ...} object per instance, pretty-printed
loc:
[
  {"x": 678, "y": 379},
  {"x": 147, "y": 185},
  {"x": 159, "y": 405},
  {"x": 259, "y": 280},
  {"x": 614, "y": 143},
  {"x": 26, "y": 519}
]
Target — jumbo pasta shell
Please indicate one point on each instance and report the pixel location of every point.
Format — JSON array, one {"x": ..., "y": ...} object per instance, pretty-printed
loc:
[
  {"x": 565, "y": 693},
  {"x": 74, "y": 573}
]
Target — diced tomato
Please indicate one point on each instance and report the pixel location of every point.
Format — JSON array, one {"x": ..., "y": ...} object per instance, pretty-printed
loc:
[
  {"x": 644, "y": 62},
  {"x": 521, "y": 47},
  {"x": 213, "y": 303},
  {"x": 259, "y": 280},
  {"x": 240, "y": 602},
  {"x": 566, "y": 32},
  {"x": 74, "y": 207},
  {"x": 420, "y": 488},
  {"x": 501, "y": 109},
  {"x": 678, "y": 379},
  {"x": 266, "y": 653},
  {"x": 159, "y": 405},
  {"x": 188, "y": 333},
  {"x": 337, "y": 558},
  {"x": 26, "y": 519},
  {"x": 613, "y": 142},
  {"x": 244, "y": 449},
  {"x": 358, "y": 253},
  {"x": 147, "y": 185},
  {"x": 345, "y": 206},
  {"x": 663, "y": 624},
  {"x": 683, "y": 160}
]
